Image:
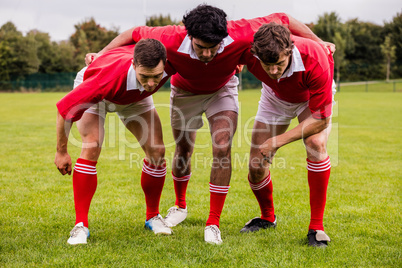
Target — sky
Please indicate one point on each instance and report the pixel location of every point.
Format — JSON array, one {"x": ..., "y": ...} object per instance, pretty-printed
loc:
[{"x": 58, "y": 17}]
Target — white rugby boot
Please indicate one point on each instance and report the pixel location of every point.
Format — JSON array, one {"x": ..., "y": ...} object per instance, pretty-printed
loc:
[
  {"x": 212, "y": 235},
  {"x": 158, "y": 225},
  {"x": 78, "y": 234},
  {"x": 175, "y": 216}
]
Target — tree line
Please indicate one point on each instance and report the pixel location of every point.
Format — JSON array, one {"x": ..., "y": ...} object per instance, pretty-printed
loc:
[{"x": 365, "y": 51}]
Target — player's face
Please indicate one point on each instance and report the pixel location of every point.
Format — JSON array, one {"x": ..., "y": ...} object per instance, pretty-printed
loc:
[
  {"x": 205, "y": 51},
  {"x": 275, "y": 70},
  {"x": 149, "y": 78}
]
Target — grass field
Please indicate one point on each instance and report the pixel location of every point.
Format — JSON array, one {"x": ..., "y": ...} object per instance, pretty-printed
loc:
[{"x": 363, "y": 215}]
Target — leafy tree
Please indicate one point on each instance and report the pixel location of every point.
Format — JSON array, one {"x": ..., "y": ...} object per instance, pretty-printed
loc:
[
  {"x": 46, "y": 52},
  {"x": 160, "y": 21},
  {"x": 330, "y": 28},
  {"x": 339, "y": 55},
  {"x": 17, "y": 53},
  {"x": 388, "y": 50},
  {"x": 90, "y": 37},
  {"x": 394, "y": 28},
  {"x": 327, "y": 26},
  {"x": 65, "y": 61},
  {"x": 364, "y": 57}
]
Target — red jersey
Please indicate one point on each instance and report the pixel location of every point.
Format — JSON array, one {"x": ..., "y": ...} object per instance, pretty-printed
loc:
[
  {"x": 309, "y": 77},
  {"x": 194, "y": 75},
  {"x": 110, "y": 77}
]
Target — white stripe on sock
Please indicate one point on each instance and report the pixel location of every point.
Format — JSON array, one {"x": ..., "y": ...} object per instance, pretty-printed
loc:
[
  {"x": 85, "y": 172},
  {"x": 319, "y": 167},
  {"x": 85, "y": 166},
  {"x": 184, "y": 178},
  {"x": 260, "y": 185},
  {"x": 154, "y": 172},
  {"x": 218, "y": 189}
]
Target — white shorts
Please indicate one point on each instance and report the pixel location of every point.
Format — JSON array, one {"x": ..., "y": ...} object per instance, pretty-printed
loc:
[
  {"x": 274, "y": 111},
  {"x": 186, "y": 108},
  {"x": 125, "y": 112}
]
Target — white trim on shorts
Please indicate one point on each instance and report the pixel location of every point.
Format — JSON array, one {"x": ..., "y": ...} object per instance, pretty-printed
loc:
[
  {"x": 125, "y": 112},
  {"x": 274, "y": 111}
]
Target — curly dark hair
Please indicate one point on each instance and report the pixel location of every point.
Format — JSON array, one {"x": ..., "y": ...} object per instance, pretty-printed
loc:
[
  {"x": 206, "y": 23},
  {"x": 270, "y": 40},
  {"x": 149, "y": 52}
]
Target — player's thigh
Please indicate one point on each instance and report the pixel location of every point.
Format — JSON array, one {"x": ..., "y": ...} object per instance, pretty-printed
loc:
[
  {"x": 91, "y": 129},
  {"x": 147, "y": 129},
  {"x": 321, "y": 137},
  {"x": 262, "y": 132}
]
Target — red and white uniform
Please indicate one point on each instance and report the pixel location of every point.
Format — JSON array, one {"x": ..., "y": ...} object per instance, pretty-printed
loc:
[
  {"x": 192, "y": 74},
  {"x": 308, "y": 79},
  {"x": 111, "y": 77}
]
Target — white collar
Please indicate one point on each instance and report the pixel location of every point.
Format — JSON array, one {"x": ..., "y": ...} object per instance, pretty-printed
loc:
[
  {"x": 132, "y": 82},
  {"x": 295, "y": 66},
  {"x": 187, "y": 48}
]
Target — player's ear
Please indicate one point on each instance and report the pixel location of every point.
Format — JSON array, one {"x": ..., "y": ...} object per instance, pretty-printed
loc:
[
  {"x": 190, "y": 37},
  {"x": 132, "y": 62}
]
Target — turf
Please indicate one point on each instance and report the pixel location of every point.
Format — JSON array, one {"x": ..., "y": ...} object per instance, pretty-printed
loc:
[{"x": 363, "y": 215}]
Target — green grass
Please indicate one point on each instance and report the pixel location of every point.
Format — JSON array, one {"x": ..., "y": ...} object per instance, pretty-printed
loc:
[
  {"x": 372, "y": 86},
  {"x": 363, "y": 215}
]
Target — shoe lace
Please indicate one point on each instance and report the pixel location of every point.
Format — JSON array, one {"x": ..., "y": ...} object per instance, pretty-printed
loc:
[
  {"x": 171, "y": 211},
  {"x": 74, "y": 232},
  {"x": 163, "y": 222},
  {"x": 215, "y": 231}
]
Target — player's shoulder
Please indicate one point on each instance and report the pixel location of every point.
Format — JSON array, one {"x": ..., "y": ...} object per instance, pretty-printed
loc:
[
  {"x": 306, "y": 44},
  {"x": 310, "y": 50},
  {"x": 111, "y": 64},
  {"x": 116, "y": 55},
  {"x": 167, "y": 30}
]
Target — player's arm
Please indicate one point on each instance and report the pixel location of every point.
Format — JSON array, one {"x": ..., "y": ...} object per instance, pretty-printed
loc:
[
  {"x": 125, "y": 38},
  {"x": 300, "y": 29},
  {"x": 62, "y": 158},
  {"x": 305, "y": 129}
]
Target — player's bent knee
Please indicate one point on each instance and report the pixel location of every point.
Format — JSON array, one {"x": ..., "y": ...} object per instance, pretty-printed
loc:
[
  {"x": 316, "y": 142},
  {"x": 156, "y": 154},
  {"x": 183, "y": 153},
  {"x": 316, "y": 147}
]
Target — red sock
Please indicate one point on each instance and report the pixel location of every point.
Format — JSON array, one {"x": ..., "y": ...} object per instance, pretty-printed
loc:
[
  {"x": 84, "y": 184},
  {"x": 152, "y": 181},
  {"x": 318, "y": 177},
  {"x": 216, "y": 202},
  {"x": 180, "y": 188},
  {"x": 263, "y": 193}
]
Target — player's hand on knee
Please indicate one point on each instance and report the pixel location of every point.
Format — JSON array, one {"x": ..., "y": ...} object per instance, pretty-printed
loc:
[{"x": 268, "y": 150}]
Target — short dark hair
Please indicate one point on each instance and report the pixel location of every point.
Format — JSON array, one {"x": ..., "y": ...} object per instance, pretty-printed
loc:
[
  {"x": 149, "y": 53},
  {"x": 206, "y": 23},
  {"x": 270, "y": 40}
]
